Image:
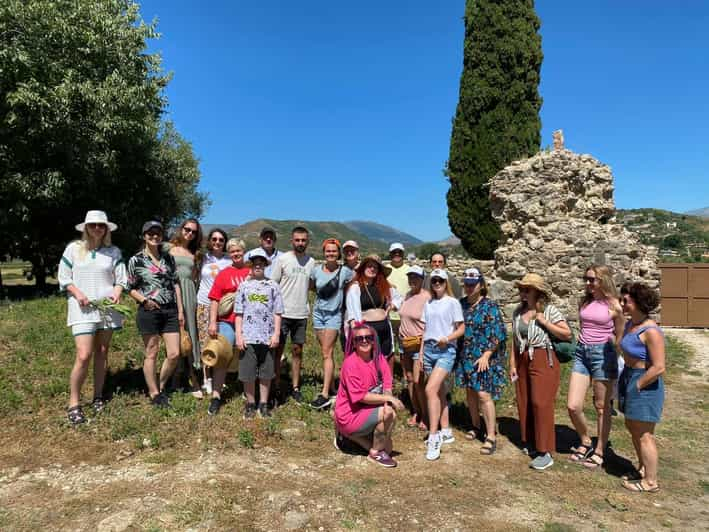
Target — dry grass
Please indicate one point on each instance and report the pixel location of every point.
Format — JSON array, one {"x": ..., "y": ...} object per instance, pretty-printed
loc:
[{"x": 182, "y": 469}]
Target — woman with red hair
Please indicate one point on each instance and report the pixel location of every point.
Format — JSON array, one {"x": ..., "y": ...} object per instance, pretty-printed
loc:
[{"x": 370, "y": 297}]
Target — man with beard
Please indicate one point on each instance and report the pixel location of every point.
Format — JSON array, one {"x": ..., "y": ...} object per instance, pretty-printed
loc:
[{"x": 292, "y": 272}]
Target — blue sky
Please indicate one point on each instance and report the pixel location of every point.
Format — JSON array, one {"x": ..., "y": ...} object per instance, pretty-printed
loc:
[{"x": 324, "y": 110}]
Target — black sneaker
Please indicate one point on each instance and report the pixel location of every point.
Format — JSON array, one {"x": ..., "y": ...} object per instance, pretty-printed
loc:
[
  {"x": 296, "y": 395},
  {"x": 263, "y": 410},
  {"x": 214, "y": 406},
  {"x": 160, "y": 401},
  {"x": 250, "y": 411},
  {"x": 98, "y": 404},
  {"x": 321, "y": 402}
]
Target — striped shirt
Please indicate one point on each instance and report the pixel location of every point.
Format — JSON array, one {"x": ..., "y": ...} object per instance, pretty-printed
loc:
[
  {"x": 95, "y": 273},
  {"x": 537, "y": 336}
]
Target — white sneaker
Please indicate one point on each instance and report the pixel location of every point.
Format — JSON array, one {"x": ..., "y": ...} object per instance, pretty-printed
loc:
[
  {"x": 447, "y": 436},
  {"x": 207, "y": 386},
  {"x": 433, "y": 450}
]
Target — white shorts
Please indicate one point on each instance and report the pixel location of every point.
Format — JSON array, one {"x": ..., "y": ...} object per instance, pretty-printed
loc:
[{"x": 109, "y": 322}]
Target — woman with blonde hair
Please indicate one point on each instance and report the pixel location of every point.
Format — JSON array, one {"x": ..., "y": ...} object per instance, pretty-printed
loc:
[
  {"x": 90, "y": 270},
  {"x": 595, "y": 362},
  {"x": 535, "y": 367}
]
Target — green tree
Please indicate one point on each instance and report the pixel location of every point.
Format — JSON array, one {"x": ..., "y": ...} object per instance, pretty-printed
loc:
[
  {"x": 81, "y": 127},
  {"x": 672, "y": 241},
  {"x": 497, "y": 118}
]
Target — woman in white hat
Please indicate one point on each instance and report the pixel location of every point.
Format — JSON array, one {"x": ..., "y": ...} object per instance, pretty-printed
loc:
[
  {"x": 535, "y": 367},
  {"x": 90, "y": 270}
]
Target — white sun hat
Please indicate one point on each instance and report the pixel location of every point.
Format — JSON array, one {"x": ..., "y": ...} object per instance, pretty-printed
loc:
[{"x": 96, "y": 217}]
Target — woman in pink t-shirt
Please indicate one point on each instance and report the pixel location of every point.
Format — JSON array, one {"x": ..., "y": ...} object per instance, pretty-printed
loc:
[{"x": 365, "y": 407}]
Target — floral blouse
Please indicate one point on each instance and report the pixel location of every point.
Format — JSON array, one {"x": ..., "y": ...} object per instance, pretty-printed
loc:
[
  {"x": 153, "y": 281},
  {"x": 484, "y": 331}
]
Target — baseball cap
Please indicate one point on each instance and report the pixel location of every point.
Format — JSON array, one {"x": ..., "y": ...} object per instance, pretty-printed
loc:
[
  {"x": 472, "y": 276},
  {"x": 258, "y": 252},
  {"x": 266, "y": 230},
  {"x": 396, "y": 246},
  {"x": 439, "y": 273},
  {"x": 147, "y": 226},
  {"x": 350, "y": 244},
  {"x": 415, "y": 270}
]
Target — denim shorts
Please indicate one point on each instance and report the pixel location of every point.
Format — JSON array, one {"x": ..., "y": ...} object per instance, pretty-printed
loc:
[
  {"x": 226, "y": 329},
  {"x": 435, "y": 357},
  {"x": 640, "y": 405},
  {"x": 598, "y": 361},
  {"x": 324, "y": 319}
]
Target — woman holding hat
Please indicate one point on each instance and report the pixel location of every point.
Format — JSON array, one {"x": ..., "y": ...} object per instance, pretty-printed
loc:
[
  {"x": 410, "y": 338},
  {"x": 535, "y": 367},
  {"x": 215, "y": 260},
  {"x": 369, "y": 298},
  {"x": 227, "y": 282},
  {"x": 481, "y": 368},
  {"x": 443, "y": 319},
  {"x": 90, "y": 270},
  {"x": 185, "y": 249},
  {"x": 153, "y": 284},
  {"x": 328, "y": 282}
]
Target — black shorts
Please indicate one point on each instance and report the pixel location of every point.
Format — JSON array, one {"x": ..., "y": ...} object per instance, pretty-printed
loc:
[
  {"x": 159, "y": 321},
  {"x": 296, "y": 328},
  {"x": 256, "y": 362},
  {"x": 383, "y": 330}
]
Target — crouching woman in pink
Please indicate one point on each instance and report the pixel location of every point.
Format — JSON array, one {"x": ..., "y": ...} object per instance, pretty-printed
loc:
[{"x": 365, "y": 410}]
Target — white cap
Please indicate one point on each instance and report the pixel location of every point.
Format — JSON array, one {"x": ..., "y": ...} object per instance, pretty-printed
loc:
[
  {"x": 415, "y": 270},
  {"x": 395, "y": 246},
  {"x": 439, "y": 273},
  {"x": 350, "y": 244},
  {"x": 472, "y": 276},
  {"x": 258, "y": 252}
]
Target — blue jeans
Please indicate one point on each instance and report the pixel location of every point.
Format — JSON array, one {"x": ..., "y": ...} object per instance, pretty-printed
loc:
[
  {"x": 598, "y": 361},
  {"x": 435, "y": 357}
]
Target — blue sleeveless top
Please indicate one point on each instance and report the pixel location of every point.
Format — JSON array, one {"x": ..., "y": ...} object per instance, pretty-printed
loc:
[{"x": 631, "y": 343}]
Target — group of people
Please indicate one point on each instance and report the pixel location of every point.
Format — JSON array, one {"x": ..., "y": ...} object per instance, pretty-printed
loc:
[{"x": 258, "y": 299}]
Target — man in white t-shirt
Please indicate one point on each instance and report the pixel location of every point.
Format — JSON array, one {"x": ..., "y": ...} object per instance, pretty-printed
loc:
[
  {"x": 268, "y": 245},
  {"x": 398, "y": 279},
  {"x": 292, "y": 273}
]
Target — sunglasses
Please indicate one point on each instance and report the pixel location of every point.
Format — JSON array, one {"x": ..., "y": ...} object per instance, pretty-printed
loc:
[
  {"x": 437, "y": 281},
  {"x": 625, "y": 301},
  {"x": 216, "y": 239},
  {"x": 364, "y": 338},
  {"x": 523, "y": 289},
  {"x": 154, "y": 233},
  {"x": 591, "y": 280},
  {"x": 96, "y": 226},
  {"x": 268, "y": 237},
  {"x": 189, "y": 230}
]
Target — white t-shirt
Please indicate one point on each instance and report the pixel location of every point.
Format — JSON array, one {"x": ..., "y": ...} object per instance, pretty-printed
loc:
[
  {"x": 210, "y": 269},
  {"x": 293, "y": 276},
  {"x": 440, "y": 317}
]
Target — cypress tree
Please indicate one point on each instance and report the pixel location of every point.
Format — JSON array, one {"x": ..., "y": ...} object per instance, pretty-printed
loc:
[{"x": 497, "y": 118}]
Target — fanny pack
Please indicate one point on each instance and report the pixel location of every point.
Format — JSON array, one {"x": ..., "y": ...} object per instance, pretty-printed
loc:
[
  {"x": 411, "y": 343},
  {"x": 330, "y": 288}
]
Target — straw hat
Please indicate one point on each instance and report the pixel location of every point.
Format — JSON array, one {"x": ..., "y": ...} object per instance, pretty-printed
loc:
[
  {"x": 96, "y": 217},
  {"x": 217, "y": 353},
  {"x": 386, "y": 270},
  {"x": 535, "y": 281}
]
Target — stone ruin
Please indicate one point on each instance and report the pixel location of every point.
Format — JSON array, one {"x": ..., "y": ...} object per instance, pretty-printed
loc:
[{"x": 557, "y": 216}]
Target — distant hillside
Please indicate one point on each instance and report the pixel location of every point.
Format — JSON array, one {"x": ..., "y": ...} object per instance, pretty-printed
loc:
[
  {"x": 703, "y": 213},
  {"x": 383, "y": 233},
  {"x": 319, "y": 231},
  {"x": 678, "y": 236}
]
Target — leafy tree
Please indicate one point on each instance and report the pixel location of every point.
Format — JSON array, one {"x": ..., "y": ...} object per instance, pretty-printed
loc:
[
  {"x": 81, "y": 105},
  {"x": 497, "y": 118},
  {"x": 424, "y": 251},
  {"x": 672, "y": 241}
]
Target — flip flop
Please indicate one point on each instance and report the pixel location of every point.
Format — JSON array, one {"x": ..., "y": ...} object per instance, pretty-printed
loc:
[
  {"x": 593, "y": 462},
  {"x": 472, "y": 434},
  {"x": 635, "y": 475},
  {"x": 581, "y": 453},
  {"x": 487, "y": 451},
  {"x": 637, "y": 487},
  {"x": 411, "y": 422}
]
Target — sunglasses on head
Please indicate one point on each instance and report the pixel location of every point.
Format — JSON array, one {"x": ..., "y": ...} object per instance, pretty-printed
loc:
[{"x": 363, "y": 338}]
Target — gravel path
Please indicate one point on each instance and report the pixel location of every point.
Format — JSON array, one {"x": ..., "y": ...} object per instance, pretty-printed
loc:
[{"x": 698, "y": 341}]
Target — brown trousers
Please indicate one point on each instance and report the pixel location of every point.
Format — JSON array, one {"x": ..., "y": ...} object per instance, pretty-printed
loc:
[{"x": 537, "y": 387}]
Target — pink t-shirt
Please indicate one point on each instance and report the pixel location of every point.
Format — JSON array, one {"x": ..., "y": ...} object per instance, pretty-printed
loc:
[
  {"x": 411, "y": 311},
  {"x": 357, "y": 377},
  {"x": 597, "y": 325}
]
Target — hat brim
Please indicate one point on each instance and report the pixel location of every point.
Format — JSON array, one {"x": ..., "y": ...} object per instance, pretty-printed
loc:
[
  {"x": 251, "y": 260},
  {"x": 386, "y": 270},
  {"x": 111, "y": 226},
  {"x": 543, "y": 289}
]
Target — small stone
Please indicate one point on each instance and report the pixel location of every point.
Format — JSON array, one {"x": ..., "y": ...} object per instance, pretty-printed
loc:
[
  {"x": 295, "y": 520},
  {"x": 117, "y": 522}
]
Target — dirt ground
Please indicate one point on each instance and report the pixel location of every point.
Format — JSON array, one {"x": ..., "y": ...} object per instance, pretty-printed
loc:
[{"x": 62, "y": 479}]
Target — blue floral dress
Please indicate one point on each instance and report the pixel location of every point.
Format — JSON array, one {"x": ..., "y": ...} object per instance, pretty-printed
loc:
[{"x": 484, "y": 331}]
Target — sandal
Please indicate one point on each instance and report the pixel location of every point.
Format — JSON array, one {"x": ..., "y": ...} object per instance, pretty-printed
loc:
[
  {"x": 581, "y": 453},
  {"x": 473, "y": 434},
  {"x": 76, "y": 415},
  {"x": 98, "y": 404},
  {"x": 635, "y": 475},
  {"x": 411, "y": 422},
  {"x": 486, "y": 449},
  {"x": 422, "y": 426},
  {"x": 637, "y": 487},
  {"x": 593, "y": 462}
]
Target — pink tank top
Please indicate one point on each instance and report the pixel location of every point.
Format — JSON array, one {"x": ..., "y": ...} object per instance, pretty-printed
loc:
[{"x": 597, "y": 325}]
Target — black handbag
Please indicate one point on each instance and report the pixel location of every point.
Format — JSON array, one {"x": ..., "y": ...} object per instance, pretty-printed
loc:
[{"x": 330, "y": 288}]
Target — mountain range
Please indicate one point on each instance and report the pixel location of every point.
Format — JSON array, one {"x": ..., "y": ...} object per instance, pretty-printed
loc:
[{"x": 704, "y": 213}]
